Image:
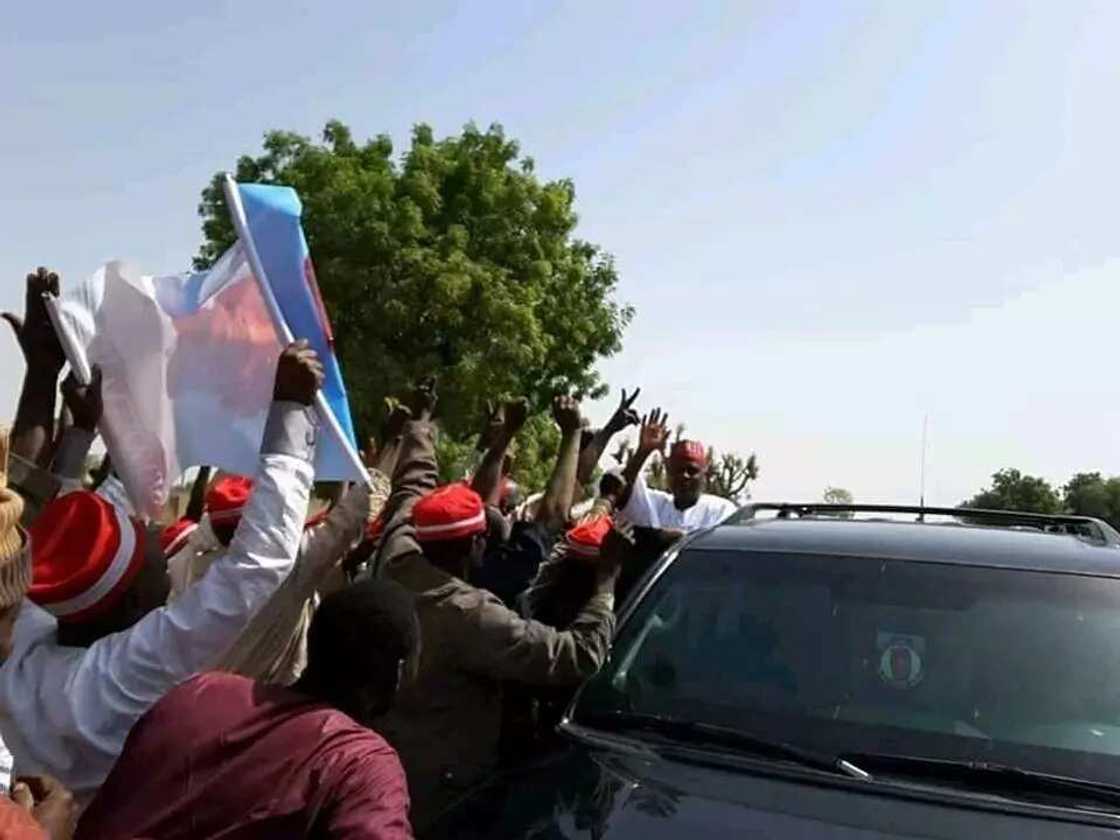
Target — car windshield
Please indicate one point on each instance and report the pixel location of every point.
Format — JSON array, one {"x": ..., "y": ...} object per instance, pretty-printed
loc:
[{"x": 851, "y": 655}]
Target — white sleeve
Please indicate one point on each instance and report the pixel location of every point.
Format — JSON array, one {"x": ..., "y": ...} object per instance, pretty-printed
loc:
[
  {"x": 121, "y": 675},
  {"x": 641, "y": 509}
]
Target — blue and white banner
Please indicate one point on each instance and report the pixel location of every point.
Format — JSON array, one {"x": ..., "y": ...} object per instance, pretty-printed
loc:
[{"x": 188, "y": 360}]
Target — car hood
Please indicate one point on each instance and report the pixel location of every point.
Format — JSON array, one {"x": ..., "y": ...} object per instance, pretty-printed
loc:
[{"x": 631, "y": 795}]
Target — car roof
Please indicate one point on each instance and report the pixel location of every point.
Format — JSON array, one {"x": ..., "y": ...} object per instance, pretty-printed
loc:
[{"x": 962, "y": 544}]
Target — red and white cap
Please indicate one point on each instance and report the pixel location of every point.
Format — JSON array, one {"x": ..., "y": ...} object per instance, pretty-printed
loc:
[
  {"x": 175, "y": 536},
  {"x": 689, "y": 452},
  {"x": 85, "y": 552},
  {"x": 451, "y": 512},
  {"x": 586, "y": 539},
  {"x": 226, "y": 499}
]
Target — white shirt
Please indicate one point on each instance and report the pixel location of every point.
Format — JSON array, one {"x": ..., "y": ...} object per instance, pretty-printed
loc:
[
  {"x": 655, "y": 509},
  {"x": 66, "y": 711}
]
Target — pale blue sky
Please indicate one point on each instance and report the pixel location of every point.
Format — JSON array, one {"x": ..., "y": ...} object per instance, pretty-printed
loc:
[{"x": 832, "y": 218}]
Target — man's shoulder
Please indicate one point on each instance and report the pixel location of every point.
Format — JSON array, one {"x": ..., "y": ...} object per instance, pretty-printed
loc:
[
  {"x": 719, "y": 504},
  {"x": 207, "y": 689}
]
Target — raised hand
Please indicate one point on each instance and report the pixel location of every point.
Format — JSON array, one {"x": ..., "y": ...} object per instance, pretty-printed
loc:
[
  {"x": 617, "y": 545},
  {"x": 299, "y": 374},
  {"x": 34, "y": 331},
  {"x": 654, "y": 434},
  {"x": 516, "y": 413},
  {"x": 84, "y": 401},
  {"x": 624, "y": 416},
  {"x": 565, "y": 411},
  {"x": 493, "y": 424},
  {"x": 396, "y": 415},
  {"x": 422, "y": 401}
]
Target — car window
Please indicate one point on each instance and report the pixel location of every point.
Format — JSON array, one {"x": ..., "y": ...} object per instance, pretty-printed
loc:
[{"x": 858, "y": 654}]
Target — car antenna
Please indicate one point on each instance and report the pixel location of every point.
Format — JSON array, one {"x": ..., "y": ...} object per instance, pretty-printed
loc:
[{"x": 922, "y": 488}]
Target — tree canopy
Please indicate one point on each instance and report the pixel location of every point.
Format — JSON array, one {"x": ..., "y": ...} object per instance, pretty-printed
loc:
[
  {"x": 1085, "y": 494},
  {"x": 454, "y": 260},
  {"x": 837, "y": 496},
  {"x": 1012, "y": 490},
  {"x": 1091, "y": 494}
]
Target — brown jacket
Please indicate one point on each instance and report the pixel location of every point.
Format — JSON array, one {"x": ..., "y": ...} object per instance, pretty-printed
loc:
[{"x": 446, "y": 722}]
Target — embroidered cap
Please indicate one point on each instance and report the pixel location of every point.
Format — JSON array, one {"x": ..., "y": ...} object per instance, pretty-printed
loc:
[
  {"x": 689, "y": 452},
  {"x": 450, "y": 512},
  {"x": 85, "y": 552}
]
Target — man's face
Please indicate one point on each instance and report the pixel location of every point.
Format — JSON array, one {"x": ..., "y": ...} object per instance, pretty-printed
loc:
[{"x": 686, "y": 482}]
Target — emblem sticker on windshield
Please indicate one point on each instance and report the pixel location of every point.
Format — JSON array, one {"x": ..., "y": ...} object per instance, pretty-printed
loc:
[{"x": 901, "y": 659}]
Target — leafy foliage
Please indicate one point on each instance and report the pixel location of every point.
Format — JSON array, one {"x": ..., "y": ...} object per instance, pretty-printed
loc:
[
  {"x": 838, "y": 496},
  {"x": 534, "y": 454},
  {"x": 1012, "y": 490},
  {"x": 455, "y": 260},
  {"x": 1091, "y": 494}
]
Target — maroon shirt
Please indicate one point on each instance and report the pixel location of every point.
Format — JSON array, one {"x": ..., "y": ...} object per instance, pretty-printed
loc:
[{"x": 224, "y": 756}]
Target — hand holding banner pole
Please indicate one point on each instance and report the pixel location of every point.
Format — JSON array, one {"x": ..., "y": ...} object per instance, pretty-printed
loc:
[{"x": 70, "y": 346}]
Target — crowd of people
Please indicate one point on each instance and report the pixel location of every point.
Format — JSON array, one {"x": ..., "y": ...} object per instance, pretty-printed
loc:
[{"x": 251, "y": 670}]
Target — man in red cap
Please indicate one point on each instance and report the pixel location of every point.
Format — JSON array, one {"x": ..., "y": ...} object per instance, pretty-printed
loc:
[
  {"x": 189, "y": 555},
  {"x": 447, "y": 722},
  {"x": 686, "y": 507},
  {"x": 273, "y": 648},
  {"x": 93, "y": 648}
]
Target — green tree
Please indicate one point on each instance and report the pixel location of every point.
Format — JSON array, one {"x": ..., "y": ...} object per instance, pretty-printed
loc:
[
  {"x": 1011, "y": 490},
  {"x": 1091, "y": 494},
  {"x": 1086, "y": 494},
  {"x": 838, "y": 496},
  {"x": 455, "y": 260}
]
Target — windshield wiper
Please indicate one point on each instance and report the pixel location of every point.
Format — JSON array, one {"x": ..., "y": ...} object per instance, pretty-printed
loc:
[
  {"x": 694, "y": 732},
  {"x": 988, "y": 776}
]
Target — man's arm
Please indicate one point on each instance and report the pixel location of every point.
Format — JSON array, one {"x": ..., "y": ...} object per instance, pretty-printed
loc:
[
  {"x": 133, "y": 669},
  {"x": 416, "y": 475},
  {"x": 33, "y": 430},
  {"x": 328, "y": 543},
  {"x": 84, "y": 404},
  {"x": 556, "y": 505},
  {"x": 503, "y": 424},
  {"x": 637, "y": 505},
  {"x": 624, "y": 416},
  {"x": 384, "y": 458},
  {"x": 502, "y": 645},
  {"x": 562, "y": 577}
]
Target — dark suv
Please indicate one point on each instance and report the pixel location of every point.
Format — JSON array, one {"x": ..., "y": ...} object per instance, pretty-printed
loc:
[{"x": 818, "y": 674}]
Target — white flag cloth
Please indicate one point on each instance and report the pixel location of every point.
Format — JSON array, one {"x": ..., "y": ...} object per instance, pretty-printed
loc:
[
  {"x": 188, "y": 365},
  {"x": 188, "y": 361}
]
